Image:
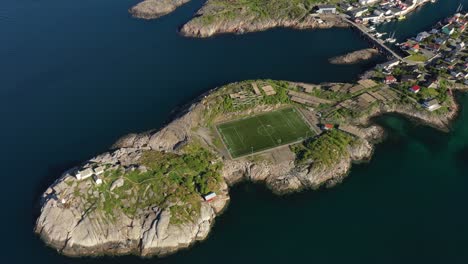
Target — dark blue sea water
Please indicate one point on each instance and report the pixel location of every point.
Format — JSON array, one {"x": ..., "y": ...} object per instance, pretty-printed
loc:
[{"x": 76, "y": 75}]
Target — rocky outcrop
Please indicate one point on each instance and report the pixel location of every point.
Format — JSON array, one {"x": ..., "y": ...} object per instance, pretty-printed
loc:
[
  {"x": 150, "y": 9},
  {"x": 286, "y": 176},
  {"x": 72, "y": 228},
  {"x": 69, "y": 223},
  {"x": 197, "y": 28},
  {"x": 355, "y": 56}
]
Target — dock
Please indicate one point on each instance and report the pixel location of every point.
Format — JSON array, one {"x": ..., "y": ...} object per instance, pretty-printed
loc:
[{"x": 380, "y": 43}]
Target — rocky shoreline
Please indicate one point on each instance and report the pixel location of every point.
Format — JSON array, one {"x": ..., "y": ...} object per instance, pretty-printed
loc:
[{"x": 195, "y": 28}]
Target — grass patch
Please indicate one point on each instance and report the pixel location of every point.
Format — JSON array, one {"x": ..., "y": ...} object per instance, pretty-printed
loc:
[
  {"x": 417, "y": 58},
  {"x": 171, "y": 180},
  {"x": 325, "y": 150}
]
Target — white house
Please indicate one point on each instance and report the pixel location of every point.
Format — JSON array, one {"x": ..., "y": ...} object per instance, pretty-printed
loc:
[
  {"x": 86, "y": 173},
  {"x": 326, "y": 9},
  {"x": 97, "y": 180},
  {"x": 461, "y": 45},
  {"x": 209, "y": 197},
  {"x": 422, "y": 36},
  {"x": 359, "y": 12},
  {"x": 388, "y": 65},
  {"x": 431, "y": 105},
  {"x": 372, "y": 19},
  {"x": 367, "y": 2},
  {"x": 456, "y": 74}
]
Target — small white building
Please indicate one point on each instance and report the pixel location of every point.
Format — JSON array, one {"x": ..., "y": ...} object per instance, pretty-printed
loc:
[
  {"x": 97, "y": 180},
  {"x": 456, "y": 74},
  {"x": 367, "y": 2},
  {"x": 83, "y": 174},
  {"x": 325, "y": 9},
  {"x": 358, "y": 12},
  {"x": 389, "y": 65},
  {"x": 372, "y": 19},
  {"x": 210, "y": 196},
  {"x": 422, "y": 36},
  {"x": 431, "y": 105}
]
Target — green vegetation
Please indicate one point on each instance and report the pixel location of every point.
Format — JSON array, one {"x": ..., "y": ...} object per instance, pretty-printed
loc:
[
  {"x": 264, "y": 131},
  {"x": 425, "y": 93},
  {"x": 171, "y": 181},
  {"x": 417, "y": 57},
  {"x": 330, "y": 95},
  {"x": 222, "y": 10},
  {"x": 325, "y": 150},
  {"x": 224, "y": 104}
]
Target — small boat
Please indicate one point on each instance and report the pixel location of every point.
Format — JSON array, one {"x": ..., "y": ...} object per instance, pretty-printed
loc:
[
  {"x": 391, "y": 38},
  {"x": 379, "y": 35},
  {"x": 433, "y": 1},
  {"x": 401, "y": 17}
]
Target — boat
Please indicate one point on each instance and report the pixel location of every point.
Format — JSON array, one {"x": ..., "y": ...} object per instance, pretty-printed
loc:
[
  {"x": 379, "y": 35},
  {"x": 433, "y": 1},
  {"x": 459, "y": 8},
  {"x": 401, "y": 17},
  {"x": 391, "y": 38}
]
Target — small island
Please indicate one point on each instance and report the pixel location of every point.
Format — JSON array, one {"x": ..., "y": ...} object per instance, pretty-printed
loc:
[
  {"x": 151, "y": 9},
  {"x": 159, "y": 191},
  {"x": 355, "y": 56}
]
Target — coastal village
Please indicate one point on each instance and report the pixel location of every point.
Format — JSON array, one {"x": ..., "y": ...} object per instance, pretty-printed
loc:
[{"x": 373, "y": 11}]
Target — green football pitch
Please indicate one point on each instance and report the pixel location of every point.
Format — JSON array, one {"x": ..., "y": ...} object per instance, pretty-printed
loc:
[{"x": 264, "y": 131}]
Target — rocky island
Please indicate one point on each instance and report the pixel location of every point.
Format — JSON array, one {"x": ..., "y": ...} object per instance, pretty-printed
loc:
[
  {"x": 150, "y": 9},
  {"x": 147, "y": 195},
  {"x": 219, "y": 16},
  {"x": 355, "y": 56},
  {"x": 156, "y": 192}
]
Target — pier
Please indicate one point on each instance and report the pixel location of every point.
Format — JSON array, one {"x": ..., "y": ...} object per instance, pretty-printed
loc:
[{"x": 380, "y": 43}]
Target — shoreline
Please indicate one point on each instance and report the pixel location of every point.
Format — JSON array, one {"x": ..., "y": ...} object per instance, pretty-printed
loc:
[{"x": 194, "y": 30}]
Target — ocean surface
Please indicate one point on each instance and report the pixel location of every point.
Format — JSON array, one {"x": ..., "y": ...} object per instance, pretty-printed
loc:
[{"x": 77, "y": 75}]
